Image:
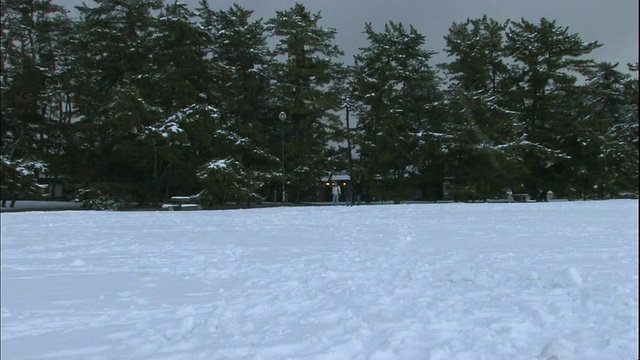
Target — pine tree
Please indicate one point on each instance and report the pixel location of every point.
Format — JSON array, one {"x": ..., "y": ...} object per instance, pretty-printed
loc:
[
  {"x": 240, "y": 65},
  {"x": 603, "y": 144},
  {"x": 178, "y": 83},
  {"x": 545, "y": 57},
  {"x": 32, "y": 34},
  {"x": 479, "y": 122},
  {"x": 625, "y": 132},
  {"x": 302, "y": 85},
  {"x": 111, "y": 50},
  {"x": 396, "y": 87}
]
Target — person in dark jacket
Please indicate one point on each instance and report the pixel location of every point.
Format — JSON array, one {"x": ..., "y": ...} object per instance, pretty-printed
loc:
[
  {"x": 358, "y": 192},
  {"x": 348, "y": 194}
]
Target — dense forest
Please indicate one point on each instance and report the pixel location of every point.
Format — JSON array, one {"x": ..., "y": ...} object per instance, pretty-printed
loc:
[{"x": 136, "y": 101}]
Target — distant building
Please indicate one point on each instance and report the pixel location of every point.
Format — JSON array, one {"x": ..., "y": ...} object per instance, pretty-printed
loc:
[{"x": 327, "y": 181}]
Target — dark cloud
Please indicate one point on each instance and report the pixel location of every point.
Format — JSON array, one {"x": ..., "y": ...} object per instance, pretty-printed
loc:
[{"x": 613, "y": 23}]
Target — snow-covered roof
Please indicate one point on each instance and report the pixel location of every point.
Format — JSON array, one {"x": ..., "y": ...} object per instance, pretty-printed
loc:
[{"x": 336, "y": 177}]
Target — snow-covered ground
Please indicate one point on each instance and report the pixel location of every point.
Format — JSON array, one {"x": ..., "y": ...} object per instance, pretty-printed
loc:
[{"x": 431, "y": 281}]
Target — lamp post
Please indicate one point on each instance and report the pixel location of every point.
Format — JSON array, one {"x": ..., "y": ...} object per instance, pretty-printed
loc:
[
  {"x": 155, "y": 161},
  {"x": 349, "y": 140},
  {"x": 282, "y": 118}
]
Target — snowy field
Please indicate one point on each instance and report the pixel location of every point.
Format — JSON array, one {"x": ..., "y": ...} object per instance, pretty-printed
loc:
[{"x": 434, "y": 281}]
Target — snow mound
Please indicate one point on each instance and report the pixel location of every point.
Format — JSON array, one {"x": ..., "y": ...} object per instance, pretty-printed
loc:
[
  {"x": 77, "y": 262},
  {"x": 559, "y": 349},
  {"x": 568, "y": 278}
]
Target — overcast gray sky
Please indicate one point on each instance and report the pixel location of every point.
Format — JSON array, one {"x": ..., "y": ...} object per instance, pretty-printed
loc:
[{"x": 614, "y": 23}]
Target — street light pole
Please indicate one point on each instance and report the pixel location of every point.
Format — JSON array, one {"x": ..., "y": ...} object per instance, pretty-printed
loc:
[
  {"x": 282, "y": 118},
  {"x": 155, "y": 161},
  {"x": 349, "y": 141}
]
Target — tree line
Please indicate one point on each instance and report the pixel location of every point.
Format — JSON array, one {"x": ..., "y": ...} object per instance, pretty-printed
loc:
[{"x": 141, "y": 100}]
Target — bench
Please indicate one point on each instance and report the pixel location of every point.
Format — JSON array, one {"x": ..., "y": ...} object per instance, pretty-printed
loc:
[
  {"x": 521, "y": 197},
  {"x": 182, "y": 203}
]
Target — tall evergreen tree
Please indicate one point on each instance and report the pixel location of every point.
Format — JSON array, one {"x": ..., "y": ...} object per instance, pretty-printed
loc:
[
  {"x": 240, "y": 62},
  {"x": 545, "y": 57},
  {"x": 625, "y": 131},
  {"x": 479, "y": 122},
  {"x": 177, "y": 82},
  {"x": 32, "y": 58},
  {"x": 396, "y": 87},
  {"x": 111, "y": 47},
  {"x": 603, "y": 142},
  {"x": 302, "y": 85}
]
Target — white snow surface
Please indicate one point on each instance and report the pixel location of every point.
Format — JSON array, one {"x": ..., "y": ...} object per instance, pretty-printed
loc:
[{"x": 554, "y": 280}]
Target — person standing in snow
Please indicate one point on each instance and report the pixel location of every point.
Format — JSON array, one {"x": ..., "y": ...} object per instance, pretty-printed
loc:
[
  {"x": 358, "y": 191},
  {"x": 348, "y": 194},
  {"x": 335, "y": 190}
]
